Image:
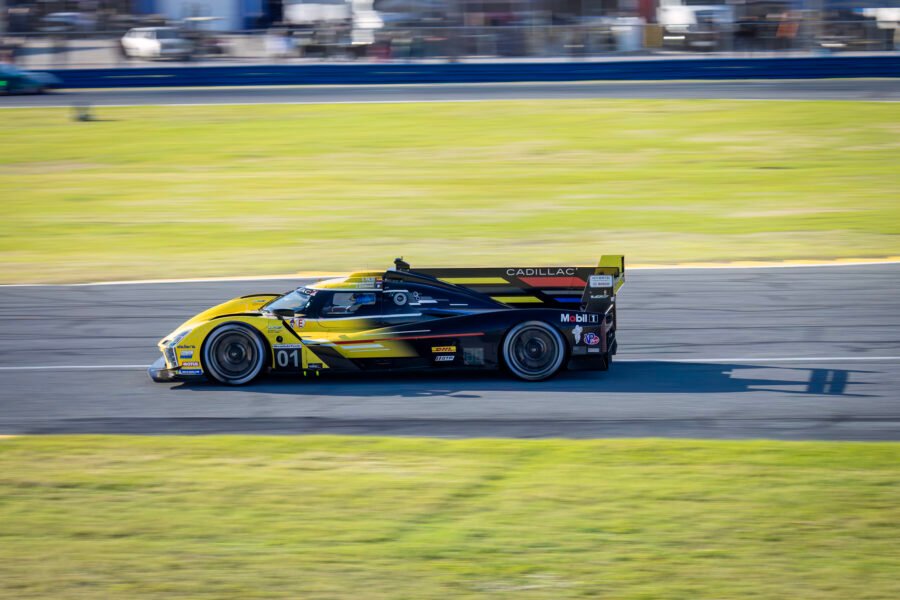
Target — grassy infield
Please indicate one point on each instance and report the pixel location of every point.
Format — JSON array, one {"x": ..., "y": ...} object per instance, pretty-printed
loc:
[
  {"x": 253, "y": 190},
  {"x": 223, "y": 190},
  {"x": 235, "y": 517}
]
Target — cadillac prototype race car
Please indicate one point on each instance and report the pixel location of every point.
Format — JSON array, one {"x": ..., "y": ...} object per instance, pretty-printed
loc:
[{"x": 531, "y": 321}]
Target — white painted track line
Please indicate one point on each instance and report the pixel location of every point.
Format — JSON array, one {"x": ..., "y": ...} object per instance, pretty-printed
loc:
[
  {"x": 781, "y": 359},
  {"x": 320, "y": 275},
  {"x": 761, "y": 359}
]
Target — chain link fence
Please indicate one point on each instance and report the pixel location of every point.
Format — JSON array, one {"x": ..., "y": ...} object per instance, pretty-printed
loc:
[{"x": 615, "y": 38}]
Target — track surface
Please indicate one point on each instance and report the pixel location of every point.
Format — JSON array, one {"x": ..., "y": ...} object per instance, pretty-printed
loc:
[
  {"x": 817, "y": 89},
  {"x": 747, "y": 334}
]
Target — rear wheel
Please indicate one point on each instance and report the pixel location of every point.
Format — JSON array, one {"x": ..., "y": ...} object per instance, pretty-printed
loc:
[
  {"x": 234, "y": 354},
  {"x": 534, "y": 351}
]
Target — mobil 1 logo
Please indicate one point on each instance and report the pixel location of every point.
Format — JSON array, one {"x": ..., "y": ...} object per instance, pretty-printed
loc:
[{"x": 579, "y": 318}]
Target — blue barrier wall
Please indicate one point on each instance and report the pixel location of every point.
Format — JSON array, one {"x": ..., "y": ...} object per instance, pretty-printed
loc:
[{"x": 398, "y": 73}]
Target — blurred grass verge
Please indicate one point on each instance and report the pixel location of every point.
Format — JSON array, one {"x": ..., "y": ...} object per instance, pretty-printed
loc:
[
  {"x": 348, "y": 517},
  {"x": 223, "y": 190}
]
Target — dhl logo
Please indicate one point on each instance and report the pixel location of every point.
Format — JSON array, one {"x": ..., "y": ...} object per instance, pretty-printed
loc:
[{"x": 443, "y": 349}]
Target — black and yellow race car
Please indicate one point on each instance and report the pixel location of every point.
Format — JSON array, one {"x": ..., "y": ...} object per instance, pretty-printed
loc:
[{"x": 531, "y": 321}]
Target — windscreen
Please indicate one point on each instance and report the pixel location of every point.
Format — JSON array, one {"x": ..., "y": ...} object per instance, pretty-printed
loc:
[{"x": 296, "y": 301}]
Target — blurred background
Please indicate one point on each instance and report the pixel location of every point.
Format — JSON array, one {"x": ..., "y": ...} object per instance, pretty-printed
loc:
[{"x": 80, "y": 33}]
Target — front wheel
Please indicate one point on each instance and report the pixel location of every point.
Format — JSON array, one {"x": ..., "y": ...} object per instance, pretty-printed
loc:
[
  {"x": 234, "y": 354},
  {"x": 534, "y": 351}
]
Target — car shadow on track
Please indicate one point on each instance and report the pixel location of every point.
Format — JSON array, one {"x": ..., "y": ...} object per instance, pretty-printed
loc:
[{"x": 638, "y": 377}]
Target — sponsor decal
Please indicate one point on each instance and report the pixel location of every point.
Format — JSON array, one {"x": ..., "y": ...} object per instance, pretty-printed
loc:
[
  {"x": 579, "y": 318},
  {"x": 591, "y": 339},
  {"x": 473, "y": 356},
  {"x": 371, "y": 282},
  {"x": 275, "y": 328},
  {"x": 593, "y": 349},
  {"x": 191, "y": 372},
  {"x": 298, "y": 323},
  {"x": 600, "y": 281},
  {"x": 444, "y": 358},
  {"x": 576, "y": 331},
  {"x": 541, "y": 272},
  {"x": 442, "y": 349},
  {"x": 186, "y": 347},
  {"x": 314, "y": 366},
  {"x": 187, "y": 354},
  {"x": 191, "y": 363},
  {"x": 288, "y": 346}
]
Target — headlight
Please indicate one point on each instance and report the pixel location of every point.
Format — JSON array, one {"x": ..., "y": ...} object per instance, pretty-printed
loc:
[{"x": 177, "y": 338}]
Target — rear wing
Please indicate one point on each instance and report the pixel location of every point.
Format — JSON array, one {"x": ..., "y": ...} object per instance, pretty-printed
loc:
[{"x": 590, "y": 289}]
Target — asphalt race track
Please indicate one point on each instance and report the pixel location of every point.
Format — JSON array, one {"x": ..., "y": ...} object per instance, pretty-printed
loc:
[
  {"x": 814, "y": 89},
  {"x": 787, "y": 353}
]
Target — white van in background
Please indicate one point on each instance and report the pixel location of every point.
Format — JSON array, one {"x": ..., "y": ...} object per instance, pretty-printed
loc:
[
  {"x": 695, "y": 27},
  {"x": 155, "y": 42}
]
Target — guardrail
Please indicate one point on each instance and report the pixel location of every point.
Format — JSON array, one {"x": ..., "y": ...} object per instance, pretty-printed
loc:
[{"x": 497, "y": 72}]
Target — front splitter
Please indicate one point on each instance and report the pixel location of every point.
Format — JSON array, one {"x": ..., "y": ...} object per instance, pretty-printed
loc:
[{"x": 160, "y": 373}]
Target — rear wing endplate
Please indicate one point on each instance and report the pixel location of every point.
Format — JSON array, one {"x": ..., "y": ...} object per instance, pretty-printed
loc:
[{"x": 604, "y": 283}]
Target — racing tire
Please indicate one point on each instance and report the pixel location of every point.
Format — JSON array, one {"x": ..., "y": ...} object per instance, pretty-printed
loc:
[
  {"x": 234, "y": 354},
  {"x": 534, "y": 351}
]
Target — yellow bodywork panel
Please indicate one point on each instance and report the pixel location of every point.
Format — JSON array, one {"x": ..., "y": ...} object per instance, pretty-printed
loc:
[
  {"x": 292, "y": 342},
  {"x": 475, "y": 280},
  {"x": 518, "y": 299},
  {"x": 613, "y": 264},
  {"x": 237, "y": 305}
]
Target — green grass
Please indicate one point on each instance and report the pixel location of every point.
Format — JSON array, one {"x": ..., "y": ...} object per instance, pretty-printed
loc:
[
  {"x": 331, "y": 517},
  {"x": 206, "y": 191}
]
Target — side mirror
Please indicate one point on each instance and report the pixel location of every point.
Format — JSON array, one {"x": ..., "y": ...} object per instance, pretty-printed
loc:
[{"x": 283, "y": 313}]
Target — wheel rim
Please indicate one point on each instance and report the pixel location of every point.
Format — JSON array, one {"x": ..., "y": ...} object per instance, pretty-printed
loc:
[
  {"x": 233, "y": 356},
  {"x": 534, "y": 352}
]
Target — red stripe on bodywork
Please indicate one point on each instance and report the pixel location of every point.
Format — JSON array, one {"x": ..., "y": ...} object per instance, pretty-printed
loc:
[
  {"x": 540, "y": 282},
  {"x": 415, "y": 337}
]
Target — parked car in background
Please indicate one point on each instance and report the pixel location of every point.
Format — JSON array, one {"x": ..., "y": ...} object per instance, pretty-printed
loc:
[
  {"x": 204, "y": 40},
  {"x": 155, "y": 43},
  {"x": 17, "y": 81},
  {"x": 60, "y": 22},
  {"x": 695, "y": 27}
]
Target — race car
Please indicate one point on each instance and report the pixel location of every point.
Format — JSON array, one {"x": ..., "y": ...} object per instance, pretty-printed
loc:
[{"x": 531, "y": 321}]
